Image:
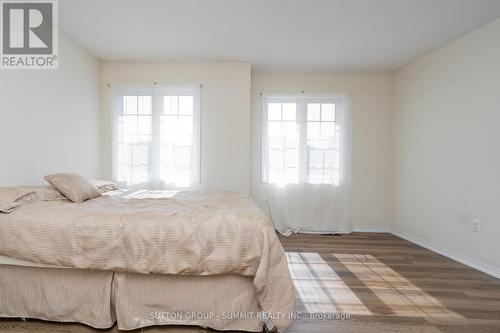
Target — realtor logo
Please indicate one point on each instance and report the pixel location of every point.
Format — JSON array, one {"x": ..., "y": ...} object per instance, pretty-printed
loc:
[{"x": 29, "y": 34}]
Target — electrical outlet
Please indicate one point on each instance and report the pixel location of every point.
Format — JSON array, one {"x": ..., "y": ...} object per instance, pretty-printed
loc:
[{"x": 476, "y": 225}]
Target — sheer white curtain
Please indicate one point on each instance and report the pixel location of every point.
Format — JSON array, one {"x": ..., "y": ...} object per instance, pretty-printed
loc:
[
  {"x": 156, "y": 136},
  {"x": 306, "y": 162}
]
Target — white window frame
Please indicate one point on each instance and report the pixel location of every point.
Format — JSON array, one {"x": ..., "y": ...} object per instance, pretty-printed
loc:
[
  {"x": 342, "y": 116},
  {"x": 157, "y": 92}
]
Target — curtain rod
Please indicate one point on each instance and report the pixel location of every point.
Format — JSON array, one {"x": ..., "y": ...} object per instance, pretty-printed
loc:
[
  {"x": 154, "y": 83},
  {"x": 300, "y": 92}
]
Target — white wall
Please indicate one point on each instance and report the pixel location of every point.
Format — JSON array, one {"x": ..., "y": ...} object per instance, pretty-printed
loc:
[
  {"x": 371, "y": 96},
  {"x": 49, "y": 119},
  {"x": 447, "y": 147},
  {"x": 225, "y": 114}
]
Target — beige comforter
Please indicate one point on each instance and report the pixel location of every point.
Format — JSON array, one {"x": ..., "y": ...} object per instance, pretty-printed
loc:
[{"x": 191, "y": 233}]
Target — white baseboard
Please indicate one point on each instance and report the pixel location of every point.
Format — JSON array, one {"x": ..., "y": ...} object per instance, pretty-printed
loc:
[
  {"x": 370, "y": 229},
  {"x": 485, "y": 268}
]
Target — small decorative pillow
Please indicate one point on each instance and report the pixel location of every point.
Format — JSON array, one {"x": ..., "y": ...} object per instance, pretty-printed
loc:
[
  {"x": 73, "y": 186},
  {"x": 104, "y": 186},
  {"x": 13, "y": 197}
]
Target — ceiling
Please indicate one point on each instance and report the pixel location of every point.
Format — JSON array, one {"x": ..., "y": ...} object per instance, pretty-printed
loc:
[{"x": 273, "y": 35}]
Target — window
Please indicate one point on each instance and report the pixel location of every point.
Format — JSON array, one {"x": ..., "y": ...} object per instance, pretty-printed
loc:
[
  {"x": 283, "y": 146},
  {"x": 156, "y": 136},
  {"x": 322, "y": 144},
  {"x": 302, "y": 139}
]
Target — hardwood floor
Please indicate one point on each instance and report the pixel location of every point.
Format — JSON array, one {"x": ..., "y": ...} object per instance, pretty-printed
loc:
[
  {"x": 388, "y": 284},
  {"x": 384, "y": 283}
]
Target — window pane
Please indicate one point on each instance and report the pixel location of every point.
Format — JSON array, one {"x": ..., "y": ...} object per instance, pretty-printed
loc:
[
  {"x": 185, "y": 140},
  {"x": 329, "y": 176},
  {"x": 327, "y": 112},
  {"x": 145, "y": 104},
  {"x": 291, "y": 176},
  {"x": 313, "y": 133},
  {"x": 123, "y": 173},
  {"x": 276, "y": 159},
  {"x": 282, "y": 142},
  {"x": 315, "y": 158},
  {"x": 274, "y": 128},
  {"x": 133, "y": 160},
  {"x": 313, "y": 111},
  {"x": 182, "y": 177},
  {"x": 130, "y": 104},
  {"x": 177, "y": 128},
  {"x": 186, "y": 105},
  {"x": 140, "y": 154},
  {"x": 144, "y": 125},
  {"x": 332, "y": 176},
  {"x": 289, "y": 111},
  {"x": 136, "y": 129},
  {"x": 327, "y": 135},
  {"x": 130, "y": 124},
  {"x": 274, "y": 111},
  {"x": 290, "y": 133},
  {"x": 276, "y": 176},
  {"x": 316, "y": 176},
  {"x": 321, "y": 139},
  {"x": 332, "y": 159},
  {"x": 291, "y": 158},
  {"x": 276, "y": 142},
  {"x": 170, "y": 105},
  {"x": 167, "y": 156},
  {"x": 182, "y": 156},
  {"x": 169, "y": 126},
  {"x": 139, "y": 174},
  {"x": 185, "y": 125}
]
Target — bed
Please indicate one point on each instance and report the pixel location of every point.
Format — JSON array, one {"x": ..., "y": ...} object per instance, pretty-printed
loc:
[{"x": 142, "y": 258}]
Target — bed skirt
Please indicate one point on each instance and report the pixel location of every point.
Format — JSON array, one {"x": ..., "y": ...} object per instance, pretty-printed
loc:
[
  {"x": 101, "y": 298},
  {"x": 221, "y": 302},
  {"x": 57, "y": 294}
]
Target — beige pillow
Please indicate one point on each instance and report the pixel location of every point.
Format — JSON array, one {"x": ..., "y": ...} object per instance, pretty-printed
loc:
[
  {"x": 13, "y": 197},
  {"x": 73, "y": 186},
  {"x": 104, "y": 186}
]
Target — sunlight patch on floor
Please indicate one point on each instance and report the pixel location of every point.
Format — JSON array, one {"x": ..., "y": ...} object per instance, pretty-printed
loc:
[
  {"x": 315, "y": 283},
  {"x": 361, "y": 285},
  {"x": 409, "y": 300}
]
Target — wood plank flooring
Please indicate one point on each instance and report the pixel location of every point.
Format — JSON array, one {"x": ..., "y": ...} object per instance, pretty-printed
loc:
[
  {"x": 384, "y": 283},
  {"x": 388, "y": 284}
]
